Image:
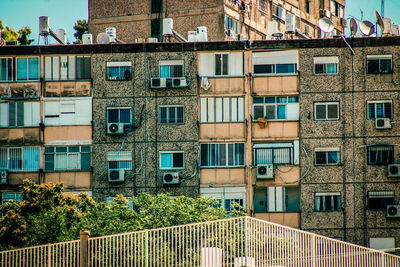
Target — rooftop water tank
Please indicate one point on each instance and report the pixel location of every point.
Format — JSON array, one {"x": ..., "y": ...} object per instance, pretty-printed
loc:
[
  {"x": 44, "y": 27},
  {"x": 192, "y": 36},
  {"x": 201, "y": 35},
  {"x": 168, "y": 26},
  {"x": 87, "y": 38},
  {"x": 112, "y": 33},
  {"x": 62, "y": 35}
]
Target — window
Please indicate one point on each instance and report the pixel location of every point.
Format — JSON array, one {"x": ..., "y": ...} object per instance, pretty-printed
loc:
[
  {"x": 378, "y": 200},
  {"x": 226, "y": 196},
  {"x": 326, "y": 111},
  {"x": 307, "y": 6},
  {"x": 110, "y": 200},
  {"x": 28, "y": 69},
  {"x": 275, "y": 63},
  {"x": 379, "y": 109},
  {"x": 119, "y": 160},
  {"x": 276, "y": 153},
  {"x": 337, "y": 9},
  {"x": 83, "y": 68},
  {"x": 171, "y": 68},
  {"x": 70, "y": 112},
  {"x": 67, "y": 68},
  {"x": 222, "y": 155},
  {"x": 119, "y": 71},
  {"x": 171, "y": 114},
  {"x": 15, "y": 114},
  {"x": 326, "y": 65},
  {"x": 231, "y": 24},
  {"x": 6, "y": 69},
  {"x": 277, "y": 199},
  {"x": 263, "y": 6},
  {"x": 20, "y": 158},
  {"x": 119, "y": 115},
  {"x": 17, "y": 197},
  {"x": 380, "y": 155},
  {"x": 67, "y": 158},
  {"x": 221, "y": 109},
  {"x": 327, "y": 156},
  {"x": 382, "y": 243},
  {"x": 327, "y": 201},
  {"x": 379, "y": 64},
  {"x": 172, "y": 160},
  {"x": 221, "y": 64},
  {"x": 278, "y": 12},
  {"x": 276, "y": 108}
]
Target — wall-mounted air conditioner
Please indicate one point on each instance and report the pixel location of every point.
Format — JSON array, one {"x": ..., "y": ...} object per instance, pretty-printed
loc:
[
  {"x": 179, "y": 82},
  {"x": 117, "y": 128},
  {"x": 170, "y": 178},
  {"x": 394, "y": 170},
  {"x": 3, "y": 177},
  {"x": 163, "y": 82},
  {"x": 115, "y": 176},
  {"x": 265, "y": 171},
  {"x": 382, "y": 123},
  {"x": 393, "y": 211}
]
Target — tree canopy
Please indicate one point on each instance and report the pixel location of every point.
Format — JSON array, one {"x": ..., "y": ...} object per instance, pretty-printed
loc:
[
  {"x": 9, "y": 34},
  {"x": 47, "y": 214},
  {"x": 81, "y": 27}
]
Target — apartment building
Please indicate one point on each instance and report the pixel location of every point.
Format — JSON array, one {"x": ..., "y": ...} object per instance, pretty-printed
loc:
[
  {"x": 224, "y": 19},
  {"x": 299, "y": 132}
]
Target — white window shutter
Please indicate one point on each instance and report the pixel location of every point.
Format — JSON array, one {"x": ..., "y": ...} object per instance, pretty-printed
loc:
[
  {"x": 28, "y": 114},
  {"x": 218, "y": 109},
  {"x": 210, "y": 110},
  {"x": 35, "y": 113},
  {"x": 71, "y": 68},
  {"x": 203, "y": 109},
  {"x": 56, "y": 68},
  {"x": 206, "y": 64},
  {"x": 47, "y": 68},
  {"x": 52, "y": 109},
  {"x": 240, "y": 109},
  {"x": 235, "y": 64},
  {"x": 271, "y": 199},
  {"x": 227, "y": 112},
  {"x": 296, "y": 152},
  {"x": 280, "y": 198},
  {"x": 234, "y": 109},
  {"x": 3, "y": 114},
  {"x": 83, "y": 112},
  {"x": 292, "y": 111}
]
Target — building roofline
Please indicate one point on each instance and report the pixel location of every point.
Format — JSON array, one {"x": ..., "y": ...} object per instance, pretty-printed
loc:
[{"x": 199, "y": 46}]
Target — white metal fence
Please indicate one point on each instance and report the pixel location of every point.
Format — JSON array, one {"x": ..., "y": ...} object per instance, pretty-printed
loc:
[{"x": 235, "y": 242}]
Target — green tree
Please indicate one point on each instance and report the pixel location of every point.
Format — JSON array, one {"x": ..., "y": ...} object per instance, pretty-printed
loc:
[
  {"x": 23, "y": 36},
  {"x": 81, "y": 27},
  {"x": 47, "y": 214},
  {"x": 9, "y": 34}
]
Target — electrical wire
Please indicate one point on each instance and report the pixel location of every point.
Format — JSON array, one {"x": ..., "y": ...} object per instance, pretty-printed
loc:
[{"x": 141, "y": 163}]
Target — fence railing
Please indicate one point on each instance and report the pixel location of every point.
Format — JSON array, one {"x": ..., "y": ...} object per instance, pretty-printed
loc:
[{"x": 235, "y": 242}]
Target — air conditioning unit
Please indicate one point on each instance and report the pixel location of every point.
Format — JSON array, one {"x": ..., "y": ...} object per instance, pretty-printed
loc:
[
  {"x": 290, "y": 25},
  {"x": 393, "y": 211},
  {"x": 161, "y": 82},
  {"x": 343, "y": 22},
  {"x": 116, "y": 128},
  {"x": 115, "y": 176},
  {"x": 393, "y": 170},
  {"x": 265, "y": 171},
  {"x": 242, "y": 37},
  {"x": 382, "y": 123},
  {"x": 324, "y": 13},
  {"x": 3, "y": 177},
  {"x": 170, "y": 178},
  {"x": 179, "y": 82}
]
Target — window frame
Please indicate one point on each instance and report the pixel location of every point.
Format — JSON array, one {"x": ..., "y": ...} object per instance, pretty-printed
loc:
[
  {"x": 224, "y": 194},
  {"x": 28, "y": 78},
  {"x": 168, "y": 107},
  {"x": 379, "y": 58},
  {"x": 119, "y": 114},
  {"x": 273, "y": 147},
  {"x": 275, "y": 104},
  {"x": 231, "y": 24},
  {"x": 126, "y": 156},
  {"x": 389, "y": 158},
  {"x": 323, "y": 199},
  {"x": 17, "y": 197},
  {"x": 280, "y": 196},
  {"x": 274, "y": 60},
  {"x": 327, "y": 151},
  {"x": 325, "y": 61},
  {"x": 375, "y": 102},
  {"x": 221, "y": 70},
  {"x": 172, "y": 160},
  {"x": 217, "y": 155},
  {"x": 9, "y": 69},
  {"x": 67, "y": 154},
  {"x": 119, "y": 64},
  {"x": 265, "y": 10},
  {"x": 169, "y": 63},
  {"x": 10, "y": 154},
  {"x": 327, "y": 104},
  {"x": 207, "y": 118},
  {"x": 383, "y": 194}
]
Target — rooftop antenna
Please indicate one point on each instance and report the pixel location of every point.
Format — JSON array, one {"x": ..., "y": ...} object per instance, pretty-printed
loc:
[
  {"x": 326, "y": 26},
  {"x": 383, "y": 8},
  {"x": 384, "y": 23},
  {"x": 367, "y": 27},
  {"x": 353, "y": 27},
  {"x": 45, "y": 31}
]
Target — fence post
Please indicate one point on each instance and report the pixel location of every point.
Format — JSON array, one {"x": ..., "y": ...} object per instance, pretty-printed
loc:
[
  {"x": 313, "y": 251},
  {"x": 84, "y": 248},
  {"x": 147, "y": 247}
]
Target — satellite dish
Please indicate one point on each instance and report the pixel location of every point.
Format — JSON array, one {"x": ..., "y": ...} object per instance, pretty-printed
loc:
[
  {"x": 367, "y": 27},
  {"x": 379, "y": 21},
  {"x": 103, "y": 38},
  {"x": 325, "y": 25},
  {"x": 353, "y": 26}
]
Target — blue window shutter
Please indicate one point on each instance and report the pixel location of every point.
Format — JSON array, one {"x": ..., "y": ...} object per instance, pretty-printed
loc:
[{"x": 49, "y": 162}]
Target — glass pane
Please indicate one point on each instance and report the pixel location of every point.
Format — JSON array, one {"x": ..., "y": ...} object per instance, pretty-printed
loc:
[
  {"x": 171, "y": 115},
  {"x": 212, "y": 154},
  {"x": 61, "y": 149},
  {"x": 163, "y": 115},
  {"x": 85, "y": 161},
  {"x": 22, "y": 70},
  {"x": 285, "y": 68},
  {"x": 85, "y": 148},
  {"x": 379, "y": 110},
  {"x": 331, "y": 68},
  {"x": 113, "y": 73},
  {"x": 385, "y": 65},
  {"x": 281, "y": 110},
  {"x": 179, "y": 114},
  {"x": 31, "y": 158},
  {"x": 270, "y": 100},
  {"x": 218, "y": 64},
  {"x": 263, "y": 69},
  {"x": 113, "y": 115},
  {"x": 333, "y": 111},
  {"x": 222, "y": 155},
  {"x": 319, "y": 68},
  {"x": 73, "y": 161},
  {"x": 320, "y": 158},
  {"x": 225, "y": 64},
  {"x": 388, "y": 110},
  {"x": 33, "y": 68},
  {"x": 125, "y": 115},
  {"x": 371, "y": 111},
  {"x": 281, "y": 99},
  {"x": 258, "y": 100},
  {"x": 166, "y": 160},
  {"x": 178, "y": 160},
  {"x": 3, "y": 69},
  {"x": 270, "y": 112},
  {"x": 125, "y": 73},
  {"x": 204, "y": 155},
  {"x": 258, "y": 112},
  {"x": 239, "y": 150},
  {"x": 333, "y": 157},
  {"x": 11, "y": 113},
  {"x": 230, "y": 155},
  {"x": 165, "y": 71},
  {"x": 320, "y": 111},
  {"x": 177, "y": 70},
  {"x": 49, "y": 162},
  {"x": 61, "y": 161},
  {"x": 372, "y": 66},
  {"x": 73, "y": 149}
]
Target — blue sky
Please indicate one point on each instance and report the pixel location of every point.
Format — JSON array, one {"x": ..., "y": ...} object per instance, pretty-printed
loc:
[{"x": 64, "y": 13}]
